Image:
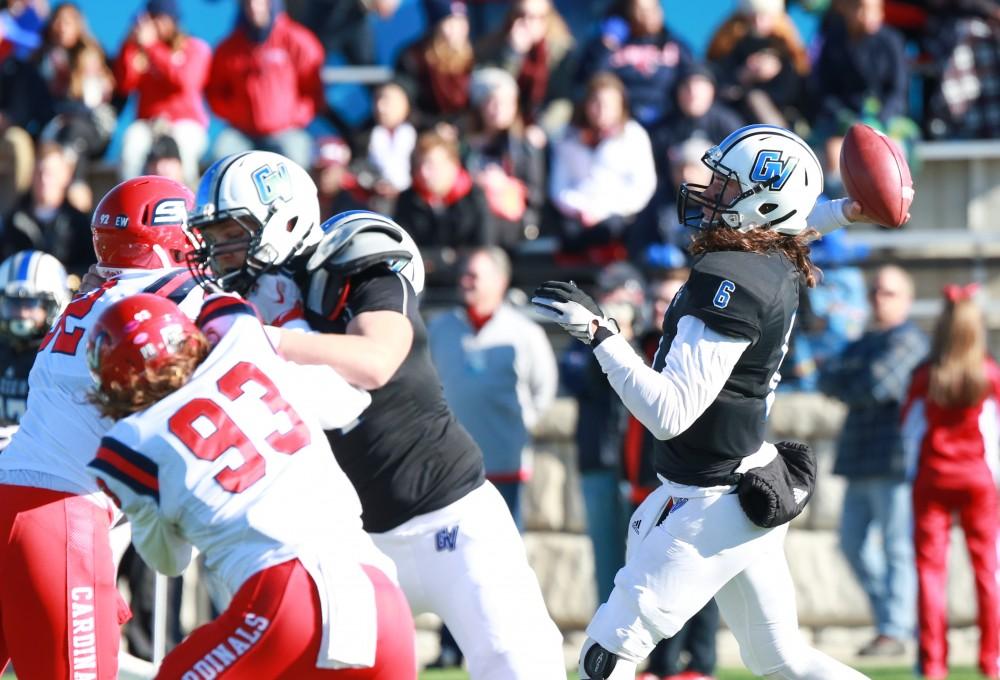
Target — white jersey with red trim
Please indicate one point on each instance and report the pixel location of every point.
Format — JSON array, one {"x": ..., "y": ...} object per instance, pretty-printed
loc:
[
  {"x": 236, "y": 463},
  {"x": 60, "y": 430}
]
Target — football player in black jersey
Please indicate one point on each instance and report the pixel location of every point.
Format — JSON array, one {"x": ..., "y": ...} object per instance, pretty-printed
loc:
[
  {"x": 706, "y": 399},
  {"x": 417, "y": 471},
  {"x": 33, "y": 292}
]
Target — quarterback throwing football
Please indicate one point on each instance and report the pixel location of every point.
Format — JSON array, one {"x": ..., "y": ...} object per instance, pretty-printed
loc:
[{"x": 709, "y": 531}]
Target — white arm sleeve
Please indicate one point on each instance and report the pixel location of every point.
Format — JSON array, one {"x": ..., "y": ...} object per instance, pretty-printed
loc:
[
  {"x": 697, "y": 366},
  {"x": 153, "y": 535},
  {"x": 332, "y": 401},
  {"x": 828, "y": 216}
]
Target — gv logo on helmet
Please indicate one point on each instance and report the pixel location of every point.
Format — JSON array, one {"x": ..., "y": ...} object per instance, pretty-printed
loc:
[
  {"x": 769, "y": 166},
  {"x": 272, "y": 183}
]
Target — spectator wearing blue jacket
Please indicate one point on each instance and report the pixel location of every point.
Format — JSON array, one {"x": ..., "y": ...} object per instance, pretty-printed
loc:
[{"x": 636, "y": 46}]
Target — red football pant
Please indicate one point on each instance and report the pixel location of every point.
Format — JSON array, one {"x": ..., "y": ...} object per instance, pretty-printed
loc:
[
  {"x": 59, "y": 609},
  {"x": 977, "y": 510},
  {"x": 272, "y": 629}
]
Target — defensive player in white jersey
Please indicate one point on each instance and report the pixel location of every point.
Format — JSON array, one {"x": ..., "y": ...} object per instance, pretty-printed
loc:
[
  {"x": 222, "y": 448},
  {"x": 418, "y": 473},
  {"x": 59, "y": 609}
]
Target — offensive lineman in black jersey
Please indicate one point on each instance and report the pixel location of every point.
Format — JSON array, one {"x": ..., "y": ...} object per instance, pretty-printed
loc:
[
  {"x": 706, "y": 399},
  {"x": 418, "y": 473},
  {"x": 33, "y": 292}
]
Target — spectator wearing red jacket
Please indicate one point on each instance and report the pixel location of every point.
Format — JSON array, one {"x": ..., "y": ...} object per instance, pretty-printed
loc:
[
  {"x": 167, "y": 69},
  {"x": 265, "y": 82},
  {"x": 950, "y": 435}
]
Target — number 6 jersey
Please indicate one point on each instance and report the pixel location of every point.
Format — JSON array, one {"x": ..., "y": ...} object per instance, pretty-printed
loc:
[{"x": 236, "y": 463}]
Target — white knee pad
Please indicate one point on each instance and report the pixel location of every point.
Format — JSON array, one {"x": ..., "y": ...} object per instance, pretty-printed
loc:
[{"x": 597, "y": 663}]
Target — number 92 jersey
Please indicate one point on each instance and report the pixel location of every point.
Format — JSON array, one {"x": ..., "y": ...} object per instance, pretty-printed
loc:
[
  {"x": 745, "y": 295},
  {"x": 60, "y": 430}
]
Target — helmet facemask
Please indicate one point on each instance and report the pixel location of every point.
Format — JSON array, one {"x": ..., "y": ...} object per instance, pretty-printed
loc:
[
  {"x": 209, "y": 260},
  {"x": 26, "y": 315}
]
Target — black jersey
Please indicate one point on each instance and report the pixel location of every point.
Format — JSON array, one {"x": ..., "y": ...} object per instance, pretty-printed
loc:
[
  {"x": 15, "y": 365},
  {"x": 407, "y": 455},
  {"x": 745, "y": 295}
]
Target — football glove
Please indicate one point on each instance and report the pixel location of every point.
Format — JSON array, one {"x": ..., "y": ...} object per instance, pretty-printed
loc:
[{"x": 575, "y": 311}]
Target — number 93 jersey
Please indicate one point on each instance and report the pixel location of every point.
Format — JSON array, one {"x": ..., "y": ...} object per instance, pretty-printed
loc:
[
  {"x": 236, "y": 463},
  {"x": 745, "y": 295},
  {"x": 60, "y": 429}
]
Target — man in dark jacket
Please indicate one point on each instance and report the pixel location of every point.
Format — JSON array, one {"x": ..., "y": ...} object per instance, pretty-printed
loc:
[
  {"x": 861, "y": 69},
  {"x": 871, "y": 377},
  {"x": 644, "y": 54},
  {"x": 44, "y": 220},
  {"x": 443, "y": 208}
]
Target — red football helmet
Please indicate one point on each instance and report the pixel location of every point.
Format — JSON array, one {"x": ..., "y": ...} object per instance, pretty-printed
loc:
[
  {"x": 140, "y": 224},
  {"x": 138, "y": 332}
]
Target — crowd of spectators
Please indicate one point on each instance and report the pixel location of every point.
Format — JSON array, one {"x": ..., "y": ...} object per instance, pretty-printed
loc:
[{"x": 501, "y": 125}]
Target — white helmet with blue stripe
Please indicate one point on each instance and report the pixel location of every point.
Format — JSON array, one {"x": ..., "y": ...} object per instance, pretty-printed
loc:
[
  {"x": 33, "y": 292},
  {"x": 272, "y": 199},
  {"x": 765, "y": 177}
]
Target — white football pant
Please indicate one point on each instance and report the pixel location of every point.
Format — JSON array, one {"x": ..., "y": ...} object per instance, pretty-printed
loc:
[
  {"x": 707, "y": 547},
  {"x": 466, "y": 563}
]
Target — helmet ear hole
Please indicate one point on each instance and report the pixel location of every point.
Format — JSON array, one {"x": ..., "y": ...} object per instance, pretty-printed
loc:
[
  {"x": 768, "y": 208},
  {"x": 291, "y": 224}
]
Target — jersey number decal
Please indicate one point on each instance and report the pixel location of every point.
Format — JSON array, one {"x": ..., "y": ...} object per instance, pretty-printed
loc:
[
  {"x": 226, "y": 434},
  {"x": 67, "y": 342},
  {"x": 722, "y": 296}
]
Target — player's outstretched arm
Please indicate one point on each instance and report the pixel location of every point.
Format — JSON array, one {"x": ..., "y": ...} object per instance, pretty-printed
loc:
[
  {"x": 367, "y": 356},
  {"x": 829, "y": 216}
]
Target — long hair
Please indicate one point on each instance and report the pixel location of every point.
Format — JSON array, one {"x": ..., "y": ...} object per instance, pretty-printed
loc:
[
  {"x": 795, "y": 248},
  {"x": 958, "y": 354},
  {"x": 600, "y": 81},
  {"x": 118, "y": 400},
  {"x": 557, "y": 32},
  {"x": 442, "y": 57},
  {"x": 737, "y": 27},
  {"x": 76, "y": 76}
]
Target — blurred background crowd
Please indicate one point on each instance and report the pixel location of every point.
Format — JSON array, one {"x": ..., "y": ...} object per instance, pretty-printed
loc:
[
  {"x": 542, "y": 127},
  {"x": 520, "y": 140}
]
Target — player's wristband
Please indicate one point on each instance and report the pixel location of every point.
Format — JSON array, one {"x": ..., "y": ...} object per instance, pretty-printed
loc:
[{"x": 604, "y": 332}]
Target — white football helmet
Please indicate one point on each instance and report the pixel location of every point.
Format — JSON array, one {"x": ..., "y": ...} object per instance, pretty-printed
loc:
[
  {"x": 31, "y": 280},
  {"x": 777, "y": 175},
  {"x": 271, "y": 197}
]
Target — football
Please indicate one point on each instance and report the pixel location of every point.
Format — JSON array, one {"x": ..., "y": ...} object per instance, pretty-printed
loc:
[{"x": 876, "y": 175}]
